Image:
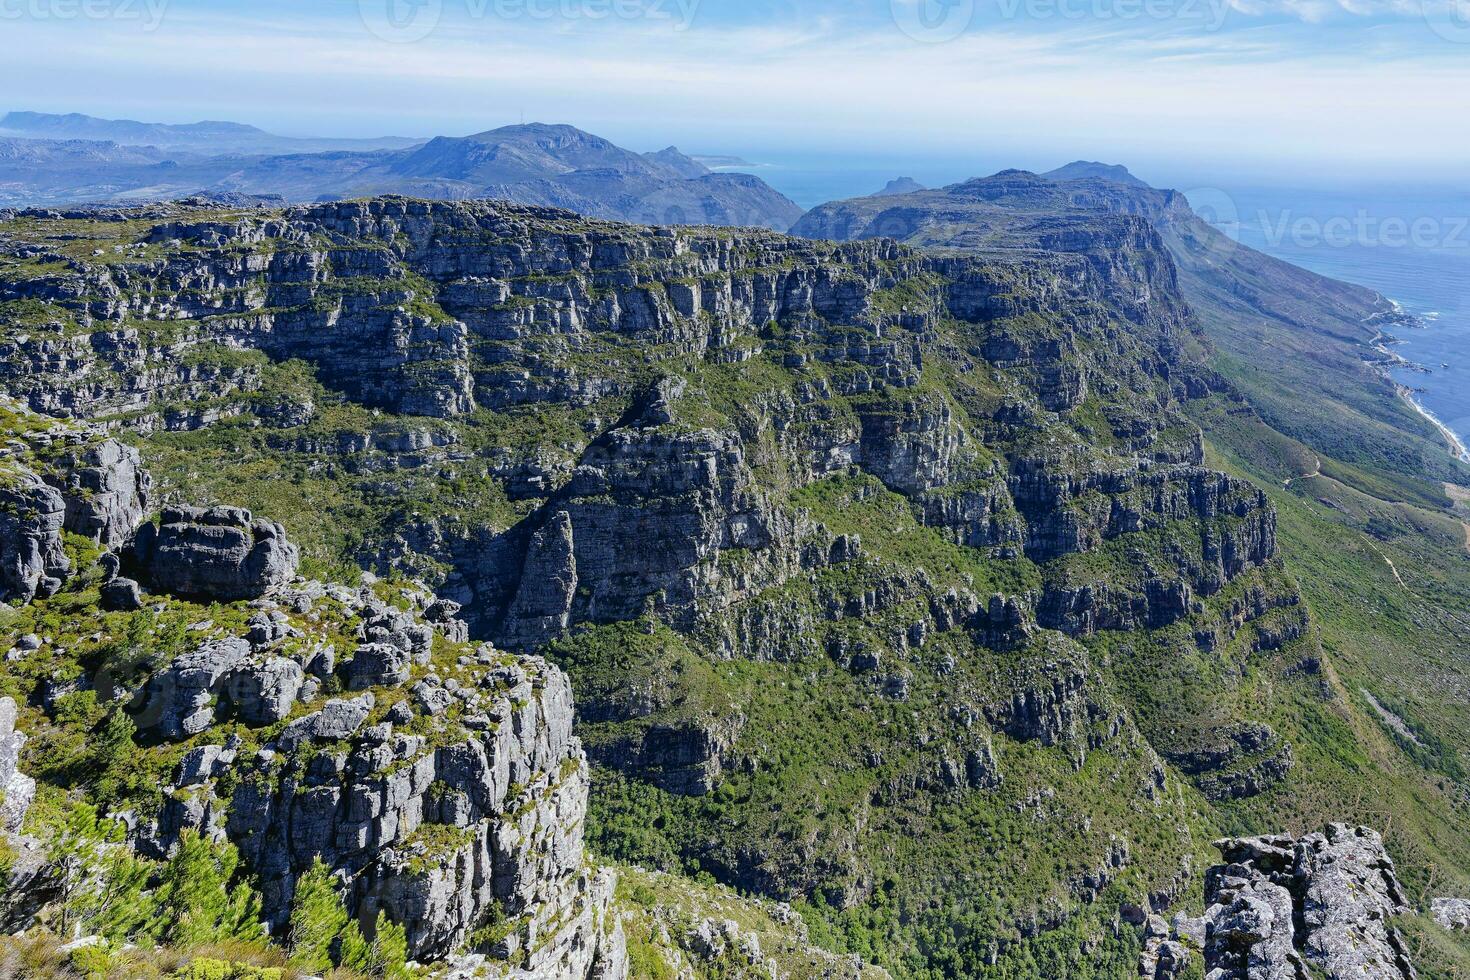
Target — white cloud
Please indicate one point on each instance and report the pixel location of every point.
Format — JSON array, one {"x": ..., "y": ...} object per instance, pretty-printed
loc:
[{"x": 1108, "y": 87}]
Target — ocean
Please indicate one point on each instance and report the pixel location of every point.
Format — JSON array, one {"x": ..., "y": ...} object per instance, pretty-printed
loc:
[{"x": 1412, "y": 244}]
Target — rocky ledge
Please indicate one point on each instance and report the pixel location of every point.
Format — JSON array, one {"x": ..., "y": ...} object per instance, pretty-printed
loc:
[
  {"x": 449, "y": 794},
  {"x": 1283, "y": 908}
]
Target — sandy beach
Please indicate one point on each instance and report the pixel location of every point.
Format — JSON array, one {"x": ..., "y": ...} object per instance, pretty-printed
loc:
[
  {"x": 1380, "y": 343},
  {"x": 1456, "y": 445}
]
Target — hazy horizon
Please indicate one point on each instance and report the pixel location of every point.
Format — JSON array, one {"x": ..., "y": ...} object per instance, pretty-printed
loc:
[
  {"x": 1318, "y": 90},
  {"x": 857, "y": 171}
]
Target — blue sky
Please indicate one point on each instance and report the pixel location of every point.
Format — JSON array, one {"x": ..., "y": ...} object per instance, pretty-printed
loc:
[{"x": 1328, "y": 89}]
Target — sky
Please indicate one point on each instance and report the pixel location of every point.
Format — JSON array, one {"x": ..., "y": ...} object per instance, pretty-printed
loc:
[{"x": 1327, "y": 90}]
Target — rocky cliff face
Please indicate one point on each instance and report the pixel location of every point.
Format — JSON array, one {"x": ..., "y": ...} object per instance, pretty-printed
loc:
[
  {"x": 106, "y": 490},
  {"x": 56, "y": 478},
  {"x": 945, "y": 501},
  {"x": 32, "y": 514},
  {"x": 450, "y": 797},
  {"x": 17, "y": 790},
  {"x": 443, "y": 786},
  {"x": 449, "y": 307},
  {"x": 1287, "y": 909},
  {"x": 462, "y": 806}
]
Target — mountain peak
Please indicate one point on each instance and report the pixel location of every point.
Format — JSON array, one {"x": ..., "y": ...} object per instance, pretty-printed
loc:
[
  {"x": 899, "y": 185},
  {"x": 533, "y": 129},
  {"x": 1091, "y": 169},
  {"x": 680, "y": 163}
]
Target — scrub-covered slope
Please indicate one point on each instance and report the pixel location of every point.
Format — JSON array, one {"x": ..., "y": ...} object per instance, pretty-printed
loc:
[
  {"x": 896, "y": 586},
  {"x": 1366, "y": 490},
  {"x": 1302, "y": 347}
]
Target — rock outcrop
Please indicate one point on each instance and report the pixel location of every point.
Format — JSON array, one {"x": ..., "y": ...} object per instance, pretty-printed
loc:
[
  {"x": 17, "y": 790},
  {"x": 1287, "y": 909},
  {"x": 215, "y": 553},
  {"x": 688, "y": 760},
  {"x": 457, "y": 811},
  {"x": 107, "y": 493},
  {"x": 1350, "y": 893},
  {"x": 1236, "y": 761},
  {"x": 32, "y": 559},
  {"x": 1164, "y": 956},
  {"x": 1452, "y": 913}
]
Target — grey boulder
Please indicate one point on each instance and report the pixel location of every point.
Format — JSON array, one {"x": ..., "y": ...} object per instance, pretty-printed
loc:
[
  {"x": 378, "y": 664},
  {"x": 180, "y": 699},
  {"x": 184, "y": 698},
  {"x": 218, "y": 553},
  {"x": 122, "y": 595},
  {"x": 32, "y": 560},
  {"x": 106, "y": 490},
  {"x": 337, "y": 719},
  {"x": 1452, "y": 913},
  {"x": 263, "y": 693}
]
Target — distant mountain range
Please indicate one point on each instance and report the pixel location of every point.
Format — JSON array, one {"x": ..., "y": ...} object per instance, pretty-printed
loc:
[
  {"x": 210, "y": 138},
  {"x": 52, "y": 160},
  {"x": 1075, "y": 207}
]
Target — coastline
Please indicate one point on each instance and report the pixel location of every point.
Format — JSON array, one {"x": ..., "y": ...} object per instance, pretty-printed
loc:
[
  {"x": 1379, "y": 343},
  {"x": 1456, "y": 444}
]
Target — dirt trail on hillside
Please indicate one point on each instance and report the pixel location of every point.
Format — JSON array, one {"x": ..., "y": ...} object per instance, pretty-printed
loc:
[
  {"x": 1391, "y": 566},
  {"x": 1316, "y": 472}
]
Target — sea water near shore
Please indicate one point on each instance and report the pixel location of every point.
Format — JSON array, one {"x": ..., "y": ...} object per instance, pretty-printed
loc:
[{"x": 1413, "y": 246}]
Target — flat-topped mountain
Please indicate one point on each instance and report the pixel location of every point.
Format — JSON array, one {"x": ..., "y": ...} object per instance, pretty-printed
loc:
[{"x": 1090, "y": 169}]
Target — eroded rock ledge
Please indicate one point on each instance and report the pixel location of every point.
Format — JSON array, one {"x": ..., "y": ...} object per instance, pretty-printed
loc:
[
  {"x": 449, "y": 795},
  {"x": 1282, "y": 908}
]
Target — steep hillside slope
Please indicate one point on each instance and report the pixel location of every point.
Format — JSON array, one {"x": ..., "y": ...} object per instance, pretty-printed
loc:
[
  {"x": 1354, "y": 472},
  {"x": 1302, "y": 346},
  {"x": 901, "y": 587}
]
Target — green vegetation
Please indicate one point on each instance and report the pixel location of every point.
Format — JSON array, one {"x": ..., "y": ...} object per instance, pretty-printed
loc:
[
  {"x": 200, "y": 900},
  {"x": 318, "y": 920},
  {"x": 320, "y": 935},
  {"x": 936, "y": 793}
]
